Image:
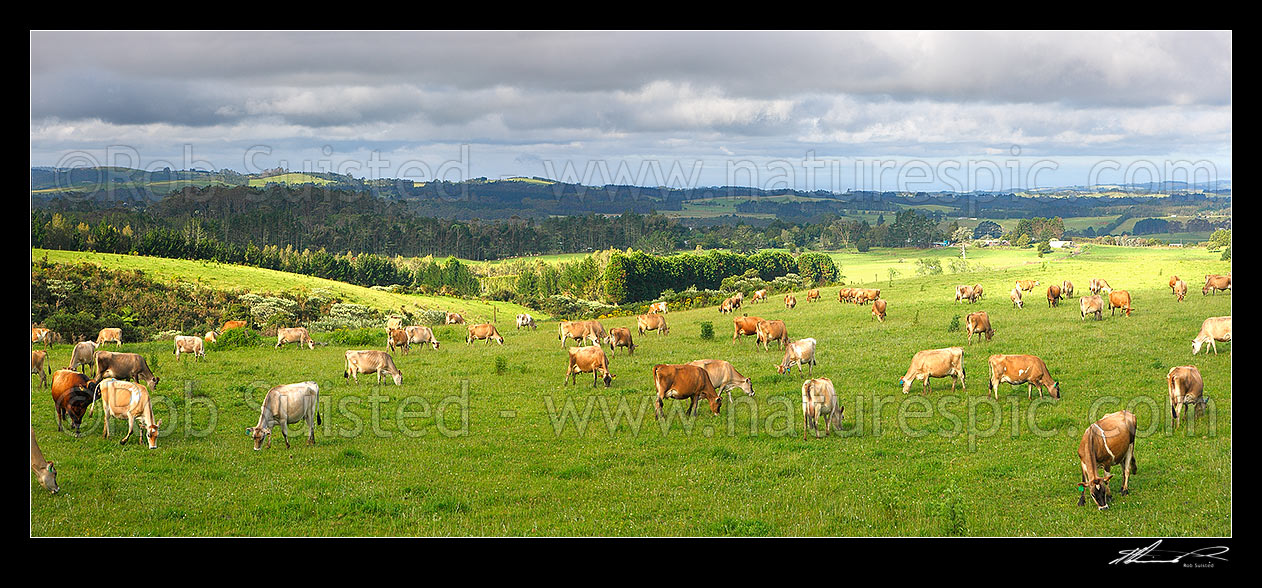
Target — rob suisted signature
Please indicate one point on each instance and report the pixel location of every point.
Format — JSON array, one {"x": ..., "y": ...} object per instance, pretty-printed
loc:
[{"x": 1151, "y": 554}]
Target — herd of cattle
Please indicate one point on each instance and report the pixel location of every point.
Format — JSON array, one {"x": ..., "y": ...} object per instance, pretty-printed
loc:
[{"x": 123, "y": 380}]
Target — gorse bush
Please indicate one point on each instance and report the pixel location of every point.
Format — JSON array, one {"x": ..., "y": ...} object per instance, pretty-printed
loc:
[
  {"x": 707, "y": 330},
  {"x": 238, "y": 338}
]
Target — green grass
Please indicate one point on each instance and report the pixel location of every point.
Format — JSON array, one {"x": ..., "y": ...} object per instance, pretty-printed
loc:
[
  {"x": 289, "y": 178},
  {"x": 230, "y": 277},
  {"x": 512, "y": 473}
]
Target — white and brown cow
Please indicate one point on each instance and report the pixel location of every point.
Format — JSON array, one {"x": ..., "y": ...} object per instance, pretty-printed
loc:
[
  {"x": 453, "y": 318},
  {"x": 121, "y": 399},
  {"x": 1022, "y": 369},
  {"x": 1107, "y": 442},
  {"x": 724, "y": 377},
  {"x": 1015, "y": 297},
  {"x": 371, "y": 361},
  {"x": 285, "y": 405},
  {"x": 297, "y": 335},
  {"x": 1214, "y": 329},
  {"x": 525, "y": 320},
  {"x": 1186, "y": 387},
  {"x": 398, "y": 339},
  {"x": 819, "y": 399},
  {"x": 798, "y": 353},
  {"x": 191, "y": 345},
  {"x": 947, "y": 362},
  {"x": 658, "y": 307}
]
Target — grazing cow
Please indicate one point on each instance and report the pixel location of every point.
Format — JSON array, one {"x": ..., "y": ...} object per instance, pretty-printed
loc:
[
  {"x": 812, "y": 295},
  {"x": 297, "y": 335},
  {"x": 42, "y": 335},
  {"x": 652, "y": 322},
  {"x": 878, "y": 309},
  {"x": 620, "y": 337},
  {"x": 588, "y": 359},
  {"x": 773, "y": 330},
  {"x": 453, "y": 318},
  {"x": 797, "y": 353},
  {"x": 483, "y": 331},
  {"x": 843, "y": 295},
  {"x": 525, "y": 320},
  {"x": 83, "y": 355},
  {"x": 1091, "y": 305},
  {"x": 1173, "y": 280},
  {"x": 576, "y": 330},
  {"x": 658, "y": 307},
  {"x": 394, "y": 322},
  {"x": 1107, "y": 442},
  {"x": 596, "y": 331},
  {"x": 759, "y": 295},
  {"x": 189, "y": 344},
  {"x": 1214, "y": 329},
  {"x": 1180, "y": 290},
  {"x": 37, "y": 366},
  {"x": 420, "y": 335},
  {"x": 819, "y": 399},
  {"x": 1022, "y": 369},
  {"x": 1015, "y": 296},
  {"x": 935, "y": 363},
  {"x": 726, "y": 306},
  {"x": 738, "y": 300},
  {"x": 285, "y": 405},
  {"x": 398, "y": 339},
  {"x": 371, "y": 361},
  {"x": 1119, "y": 299},
  {"x": 1067, "y": 289},
  {"x": 979, "y": 323},
  {"x": 1027, "y": 285},
  {"x": 724, "y": 377},
  {"x": 1186, "y": 387},
  {"x": 210, "y": 337},
  {"x": 124, "y": 366},
  {"x": 790, "y": 301},
  {"x": 1053, "y": 296},
  {"x": 1215, "y": 283},
  {"x": 684, "y": 381},
  {"x": 977, "y": 291},
  {"x": 963, "y": 292},
  {"x": 121, "y": 399},
  {"x": 745, "y": 325},
  {"x": 228, "y": 325},
  {"x": 108, "y": 335},
  {"x": 73, "y": 395},
  {"x": 44, "y": 470},
  {"x": 865, "y": 295},
  {"x": 1097, "y": 284}
]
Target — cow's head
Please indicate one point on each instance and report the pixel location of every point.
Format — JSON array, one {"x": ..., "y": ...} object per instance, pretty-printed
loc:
[
  {"x": 398, "y": 378},
  {"x": 716, "y": 402},
  {"x": 434, "y": 342},
  {"x": 749, "y": 387},
  {"x": 1196, "y": 346},
  {"x": 153, "y": 383},
  {"x": 609, "y": 379},
  {"x": 1098, "y": 489},
  {"x": 259, "y": 434},
  {"x": 906, "y": 384},
  {"x": 48, "y": 477},
  {"x": 151, "y": 433},
  {"x": 1055, "y": 390}
]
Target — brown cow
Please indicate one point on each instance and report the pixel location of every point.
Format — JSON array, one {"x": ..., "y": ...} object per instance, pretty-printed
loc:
[
  {"x": 128, "y": 400},
  {"x": 797, "y": 353},
  {"x": 576, "y": 330},
  {"x": 819, "y": 399},
  {"x": 73, "y": 395},
  {"x": 947, "y": 362},
  {"x": 1119, "y": 299},
  {"x": 38, "y": 367},
  {"x": 1215, "y": 283},
  {"x": 1022, "y": 369},
  {"x": 1015, "y": 296},
  {"x": 1091, "y": 305},
  {"x": 43, "y": 335},
  {"x": 1173, "y": 280},
  {"x": 964, "y": 292},
  {"x": 210, "y": 337},
  {"x": 844, "y": 294},
  {"x": 1180, "y": 290},
  {"x": 745, "y": 325},
  {"x": 398, "y": 339},
  {"x": 812, "y": 295},
  {"x": 1214, "y": 329},
  {"x": 1053, "y": 296},
  {"x": 1107, "y": 442},
  {"x": 483, "y": 331},
  {"x": 110, "y": 334},
  {"x": 773, "y": 330},
  {"x": 979, "y": 323},
  {"x": 1186, "y": 387},
  {"x": 620, "y": 337},
  {"x": 652, "y": 322},
  {"x": 297, "y": 335},
  {"x": 232, "y": 325},
  {"x": 44, "y": 470},
  {"x": 726, "y": 306},
  {"x": 1027, "y": 285},
  {"x": 790, "y": 301},
  {"x": 124, "y": 366},
  {"x": 865, "y": 295},
  {"x": 1067, "y": 289},
  {"x": 759, "y": 295},
  {"x": 420, "y": 335},
  {"x": 977, "y": 291},
  {"x": 878, "y": 309},
  {"x": 684, "y": 381},
  {"x": 453, "y": 318},
  {"x": 371, "y": 361},
  {"x": 1098, "y": 284},
  {"x": 588, "y": 359}
]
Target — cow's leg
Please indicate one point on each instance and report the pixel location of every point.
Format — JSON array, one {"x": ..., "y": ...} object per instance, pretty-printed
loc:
[
  {"x": 284, "y": 428},
  {"x": 131, "y": 424},
  {"x": 692, "y": 404},
  {"x": 60, "y": 414},
  {"x": 658, "y": 406},
  {"x": 1127, "y": 467}
]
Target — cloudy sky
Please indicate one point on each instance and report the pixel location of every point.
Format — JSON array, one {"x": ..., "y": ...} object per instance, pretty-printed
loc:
[{"x": 810, "y": 110}]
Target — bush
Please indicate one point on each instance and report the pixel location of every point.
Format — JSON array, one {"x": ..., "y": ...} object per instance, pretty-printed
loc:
[
  {"x": 707, "y": 330},
  {"x": 954, "y": 325},
  {"x": 818, "y": 268},
  {"x": 344, "y": 315},
  {"x": 238, "y": 338},
  {"x": 928, "y": 267},
  {"x": 358, "y": 337}
]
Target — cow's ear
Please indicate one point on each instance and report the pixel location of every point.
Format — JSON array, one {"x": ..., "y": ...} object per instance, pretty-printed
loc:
[
  {"x": 1106, "y": 477},
  {"x": 249, "y": 431}
]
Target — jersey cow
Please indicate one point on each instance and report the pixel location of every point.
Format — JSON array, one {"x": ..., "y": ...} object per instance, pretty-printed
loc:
[
  {"x": 1015, "y": 296},
  {"x": 1022, "y": 369},
  {"x": 1097, "y": 285},
  {"x": 1214, "y": 283},
  {"x": 812, "y": 295},
  {"x": 724, "y": 377},
  {"x": 819, "y": 400},
  {"x": 1180, "y": 290},
  {"x": 1119, "y": 299},
  {"x": 1214, "y": 329},
  {"x": 745, "y": 325},
  {"x": 483, "y": 331},
  {"x": 38, "y": 366},
  {"x": 285, "y": 405},
  {"x": 84, "y": 355},
  {"x": 797, "y": 353},
  {"x": 772, "y": 330},
  {"x": 371, "y": 361},
  {"x": 1053, "y": 296},
  {"x": 297, "y": 335},
  {"x": 652, "y": 322},
  {"x": 397, "y": 339},
  {"x": 591, "y": 359},
  {"x": 878, "y": 309},
  {"x": 1107, "y": 442},
  {"x": 979, "y": 323},
  {"x": 1186, "y": 387},
  {"x": 620, "y": 337},
  {"x": 44, "y": 470},
  {"x": 790, "y": 301},
  {"x": 190, "y": 344},
  {"x": 73, "y": 395},
  {"x": 1093, "y": 304},
  {"x": 121, "y": 399},
  {"x": 684, "y": 382},
  {"x": 947, "y": 362},
  {"x": 124, "y": 366},
  {"x": 1027, "y": 285},
  {"x": 109, "y": 335},
  {"x": 421, "y": 335},
  {"x": 525, "y": 320}
]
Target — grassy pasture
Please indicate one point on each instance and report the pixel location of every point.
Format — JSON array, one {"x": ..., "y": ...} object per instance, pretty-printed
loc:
[{"x": 936, "y": 464}]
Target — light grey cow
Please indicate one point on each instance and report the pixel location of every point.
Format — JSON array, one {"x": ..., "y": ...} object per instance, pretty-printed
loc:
[{"x": 284, "y": 405}]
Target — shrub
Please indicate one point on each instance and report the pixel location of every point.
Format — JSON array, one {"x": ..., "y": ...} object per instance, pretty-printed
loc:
[
  {"x": 344, "y": 315},
  {"x": 238, "y": 338},
  {"x": 928, "y": 267},
  {"x": 954, "y": 325},
  {"x": 707, "y": 330},
  {"x": 358, "y": 337}
]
